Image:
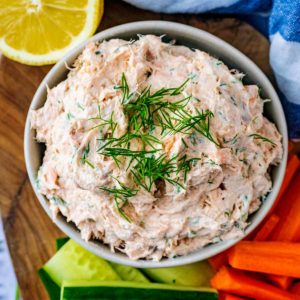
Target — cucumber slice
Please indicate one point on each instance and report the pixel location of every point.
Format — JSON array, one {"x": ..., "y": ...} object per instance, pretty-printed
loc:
[
  {"x": 52, "y": 288},
  {"x": 60, "y": 242},
  {"x": 120, "y": 290},
  {"x": 129, "y": 273},
  {"x": 72, "y": 262},
  {"x": 196, "y": 274}
]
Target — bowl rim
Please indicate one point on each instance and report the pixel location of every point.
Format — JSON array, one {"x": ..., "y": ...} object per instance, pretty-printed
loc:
[{"x": 168, "y": 27}]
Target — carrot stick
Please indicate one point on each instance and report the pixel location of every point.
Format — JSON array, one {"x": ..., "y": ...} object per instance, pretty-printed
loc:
[
  {"x": 225, "y": 296},
  {"x": 281, "y": 281},
  {"x": 292, "y": 166},
  {"x": 296, "y": 289},
  {"x": 237, "y": 282},
  {"x": 267, "y": 228},
  {"x": 280, "y": 258},
  {"x": 288, "y": 228},
  {"x": 218, "y": 260}
]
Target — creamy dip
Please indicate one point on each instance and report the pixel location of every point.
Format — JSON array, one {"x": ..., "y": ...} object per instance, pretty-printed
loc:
[{"x": 192, "y": 170}]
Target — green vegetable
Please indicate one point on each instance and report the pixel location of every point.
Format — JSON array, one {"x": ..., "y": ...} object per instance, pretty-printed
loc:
[
  {"x": 129, "y": 273},
  {"x": 52, "y": 288},
  {"x": 60, "y": 242},
  {"x": 196, "y": 274},
  {"x": 260, "y": 137},
  {"x": 72, "y": 262},
  {"x": 123, "y": 290}
]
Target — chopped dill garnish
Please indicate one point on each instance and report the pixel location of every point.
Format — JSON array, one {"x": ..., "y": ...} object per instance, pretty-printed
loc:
[
  {"x": 144, "y": 110},
  {"x": 124, "y": 140},
  {"x": 212, "y": 162},
  {"x": 186, "y": 122},
  {"x": 232, "y": 140},
  {"x": 184, "y": 143},
  {"x": 58, "y": 200},
  {"x": 79, "y": 106},
  {"x": 126, "y": 152},
  {"x": 186, "y": 165},
  {"x": 122, "y": 192},
  {"x": 260, "y": 137},
  {"x": 150, "y": 169},
  {"x": 121, "y": 195},
  {"x": 84, "y": 156},
  {"x": 110, "y": 122},
  {"x": 125, "y": 89},
  {"x": 70, "y": 116}
]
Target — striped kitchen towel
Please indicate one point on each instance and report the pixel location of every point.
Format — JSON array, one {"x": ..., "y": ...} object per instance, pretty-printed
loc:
[{"x": 279, "y": 19}]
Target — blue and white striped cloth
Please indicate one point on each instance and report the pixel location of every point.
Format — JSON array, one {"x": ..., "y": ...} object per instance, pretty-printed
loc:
[{"x": 279, "y": 19}]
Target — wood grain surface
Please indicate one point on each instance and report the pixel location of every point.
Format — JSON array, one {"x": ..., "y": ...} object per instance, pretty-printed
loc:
[{"x": 30, "y": 233}]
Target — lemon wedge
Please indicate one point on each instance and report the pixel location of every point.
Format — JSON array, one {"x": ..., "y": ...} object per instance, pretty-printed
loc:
[{"x": 40, "y": 32}]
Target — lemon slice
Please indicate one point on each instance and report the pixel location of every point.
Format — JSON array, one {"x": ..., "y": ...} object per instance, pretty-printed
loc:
[{"x": 40, "y": 32}]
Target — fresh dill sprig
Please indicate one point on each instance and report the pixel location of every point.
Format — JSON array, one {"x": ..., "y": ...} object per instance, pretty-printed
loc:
[
  {"x": 115, "y": 153},
  {"x": 231, "y": 141},
  {"x": 263, "y": 138},
  {"x": 150, "y": 168},
  {"x": 123, "y": 192},
  {"x": 126, "y": 152},
  {"x": 141, "y": 109},
  {"x": 186, "y": 123},
  {"x": 125, "y": 140},
  {"x": 119, "y": 205},
  {"x": 121, "y": 195},
  {"x": 84, "y": 156},
  {"x": 185, "y": 165},
  {"x": 124, "y": 87},
  {"x": 110, "y": 122}
]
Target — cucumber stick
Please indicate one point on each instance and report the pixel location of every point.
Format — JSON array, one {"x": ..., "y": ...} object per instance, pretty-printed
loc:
[
  {"x": 60, "y": 242},
  {"x": 52, "y": 288},
  {"x": 129, "y": 273},
  {"x": 196, "y": 274},
  {"x": 121, "y": 290},
  {"x": 72, "y": 262}
]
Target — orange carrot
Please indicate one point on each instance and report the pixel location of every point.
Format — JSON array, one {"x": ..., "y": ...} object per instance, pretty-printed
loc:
[
  {"x": 288, "y": 228},
  {"x": 281, "y": 281},
  {"x": 239, "y": 283},
  {"x": 292, "y": 166},
  {"x": 218, "y": 260},
  {"x": 225, "y": 296},
  {"x": 267, "y": 228},
  {"x": 296, "y": 289},
  {"x": 280, "y": 258}
]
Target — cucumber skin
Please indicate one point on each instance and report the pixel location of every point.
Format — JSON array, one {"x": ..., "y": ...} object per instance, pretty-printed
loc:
[
  {"x": 72, "y": 262},
  {"x": 195, "y": 274},
  {"x": 52, "y": 288},
  {"x": 119, "y": 291},
  {"x": 129, "y": 273},
  {"x": 60, "y": 242}
]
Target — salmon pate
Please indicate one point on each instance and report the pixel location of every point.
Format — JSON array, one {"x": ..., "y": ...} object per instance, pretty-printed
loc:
[{"x": 155, "y": 149}]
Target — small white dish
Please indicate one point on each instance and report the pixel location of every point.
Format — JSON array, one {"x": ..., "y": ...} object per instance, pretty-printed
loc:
[{"x": 193, "y": 38}]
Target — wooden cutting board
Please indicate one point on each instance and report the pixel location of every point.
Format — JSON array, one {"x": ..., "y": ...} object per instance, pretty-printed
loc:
[{"x": 30, "y": 233}]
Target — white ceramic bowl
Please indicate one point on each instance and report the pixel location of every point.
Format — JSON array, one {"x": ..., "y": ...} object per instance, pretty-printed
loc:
[{"x": 193, "y": 38}]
